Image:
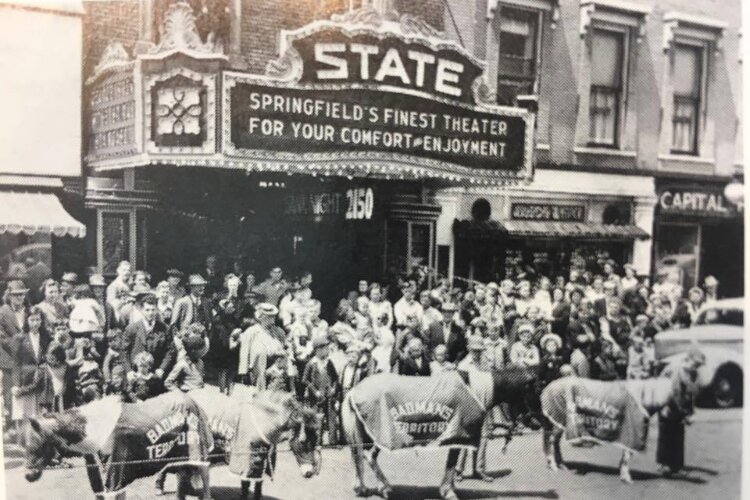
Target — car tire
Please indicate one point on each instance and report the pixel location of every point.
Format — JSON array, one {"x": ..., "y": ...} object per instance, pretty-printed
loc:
[{"x": 726, "y": 389}]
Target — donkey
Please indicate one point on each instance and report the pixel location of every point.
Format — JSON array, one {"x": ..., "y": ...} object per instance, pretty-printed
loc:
[
  {"x": 512, "y": 385},
  {"x": 247, "y": 426},
  {"x": 650, "y": 396},
  {"x": 122, "y": 442}
]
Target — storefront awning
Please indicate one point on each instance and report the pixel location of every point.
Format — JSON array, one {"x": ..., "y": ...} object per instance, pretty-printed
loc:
[
  {"x": 555, "y": 229},
  {"x": 478, "y": 230},
  {"x": 35, "y": 213}
]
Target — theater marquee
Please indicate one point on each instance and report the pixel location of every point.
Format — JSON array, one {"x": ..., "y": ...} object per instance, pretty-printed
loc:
[{"x": 357, "y": 97}]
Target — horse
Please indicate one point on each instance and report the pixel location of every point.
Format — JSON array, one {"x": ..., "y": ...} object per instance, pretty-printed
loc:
[
  {"x": 122, "y": 442},
  {"x": 458, "y": 429},
  {"x": 247, "y": 426},
  {"x": 570, "y": 404}
]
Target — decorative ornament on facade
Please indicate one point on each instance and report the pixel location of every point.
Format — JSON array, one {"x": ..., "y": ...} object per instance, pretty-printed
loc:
[
  {"x": 286, "y": 67},
  {"x": 114, "y": 58},
  {"x": 179, "y": 33},
  {"x": 406, "y": 24},
  {"x": 617, "y": 12},
  {"x": 179, "y": 110}
]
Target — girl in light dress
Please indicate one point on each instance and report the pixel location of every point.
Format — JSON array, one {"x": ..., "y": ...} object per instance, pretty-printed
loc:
[{"x": 384, "y": 340}]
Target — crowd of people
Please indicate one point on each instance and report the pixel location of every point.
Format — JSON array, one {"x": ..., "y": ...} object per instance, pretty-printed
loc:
[{"x": 135, "y": 339}]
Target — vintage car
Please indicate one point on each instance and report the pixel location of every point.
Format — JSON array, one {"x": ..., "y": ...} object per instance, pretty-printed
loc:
[{"x": 718, "y": 332}]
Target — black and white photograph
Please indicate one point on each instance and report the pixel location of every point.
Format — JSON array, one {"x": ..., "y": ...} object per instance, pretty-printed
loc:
[{"x": 395, "y": 249}]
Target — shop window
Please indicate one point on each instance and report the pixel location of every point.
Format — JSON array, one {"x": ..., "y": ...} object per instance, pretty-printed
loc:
[
  {"x": 518, "y": 54},
  {"x": 25, "y": 257},
  {"x": 608, "y": 71},
  {"x": 688, "y": 72},
  {"x": 114, "y": 240},
  {"x": 617, "y": 214},
  {"x": 677, "y": 250},
  {"x": 409, "y": 245}
]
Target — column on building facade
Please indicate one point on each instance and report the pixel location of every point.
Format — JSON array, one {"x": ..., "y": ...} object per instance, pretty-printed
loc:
[
  {"x": 643, "y": 217},
  {"x": 449, "y": 202}
]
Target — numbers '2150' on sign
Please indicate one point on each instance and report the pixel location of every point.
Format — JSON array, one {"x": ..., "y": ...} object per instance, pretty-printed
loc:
[{"x": 360, "y": 204}]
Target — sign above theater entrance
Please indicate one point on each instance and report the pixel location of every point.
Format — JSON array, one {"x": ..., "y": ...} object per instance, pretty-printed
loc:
[{"x": 360, "y": 95}]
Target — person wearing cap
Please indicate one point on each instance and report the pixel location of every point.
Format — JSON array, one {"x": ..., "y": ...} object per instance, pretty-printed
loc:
[
  {"x": 551, "y": 359},
  {"x": 13, "y": 314},
  {"x": 120, "y": 286},
  {"x": 523, "y": 352},
  {"x": 447, "y": 332},
  {"x": 319, "y": 385},
  {"x": 212, "y": 276},
  {"x": 257, "y": 343},
  {"x": 711, "y": 287},
  {"x": 68, "y": 282},
  {"x": 274, "y": 287},
  {"x": 192, "y": 308},
  {"x": 188, "y": 372},
  {"x": 407, "y": 305},
  {"x": 473, "y": 361}
]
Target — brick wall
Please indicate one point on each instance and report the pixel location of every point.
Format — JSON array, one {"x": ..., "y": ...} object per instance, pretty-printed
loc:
[{"x": 107, "y": 21}]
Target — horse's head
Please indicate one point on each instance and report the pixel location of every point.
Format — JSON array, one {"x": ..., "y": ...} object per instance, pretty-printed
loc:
[
  {"x": 43, "y": 444},
  {"x": 517, "y": 386},
  {"x": 304, "y": 443}
]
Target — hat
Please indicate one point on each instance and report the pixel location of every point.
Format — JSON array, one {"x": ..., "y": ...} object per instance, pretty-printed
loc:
[
  {"x": 581, "y": 340},
  {"x": 16, "y": 287},
  {"x": 175, "y": 273},
  {"x": 551, "y": 337},
  {"x": 629, "y": 266},
  {"x": 479, "y": 322},
  {"x": 475, "y": 343},
  {"x": 525, "y": 327},
  {"x": 448, "y": 307},
  {"x": 710, "y": 281},
  {"x": 197, "y": 280},
  {"x": 266, "y": 309},
  {"x": 69, "y": 277},
  {"x": 97, "y": 280},
  {"x": 493, "y": 285},
  {"x": 320, "y": 341}
]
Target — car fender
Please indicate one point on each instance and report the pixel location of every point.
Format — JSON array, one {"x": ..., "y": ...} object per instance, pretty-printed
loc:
[{"x": 716, "y": 358}]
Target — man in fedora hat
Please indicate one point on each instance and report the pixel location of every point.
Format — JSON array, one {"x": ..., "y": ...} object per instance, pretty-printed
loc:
[
  {"x": 12, "y": 320},
  {"x": 257, "y": 343},
  {"x": 192, "y": 308},
  {"x": 447, "y": 332}
]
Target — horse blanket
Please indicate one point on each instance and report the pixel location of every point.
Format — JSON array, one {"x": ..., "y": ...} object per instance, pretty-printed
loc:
[
  {"x": 401, "y": 411},
  {"x": 596, "y": 410},
  {"x": 149, "y": 435},
  {"x": 235, "y": 437}
]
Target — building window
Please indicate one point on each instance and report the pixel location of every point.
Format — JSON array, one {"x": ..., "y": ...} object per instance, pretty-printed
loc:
[
  {"x": 517, "y": 64},
  {"x": 688, "y": 82},
  {"x": 607, "y": 77}
]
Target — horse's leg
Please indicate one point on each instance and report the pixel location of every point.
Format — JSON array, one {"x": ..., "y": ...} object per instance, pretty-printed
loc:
[
  {"x": 183, "y": 483},
  {"x": 359, "y": 479},
  {"x": 205, "y": 479},
  {"x": 258, "y": 490},
  {"x": 354, "y": 433},
  {"x": 556, "y": 438},
  {"x": 625, "y": 467},
  {"x": 385, "y": 488},
  {"x": 447, "y": 487}
]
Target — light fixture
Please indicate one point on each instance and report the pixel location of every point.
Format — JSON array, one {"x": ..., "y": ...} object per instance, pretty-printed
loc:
[{"x": 735, "y": 192}]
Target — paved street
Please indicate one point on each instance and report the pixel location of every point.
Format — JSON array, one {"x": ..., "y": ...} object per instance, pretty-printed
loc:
[{"x": 713, "y": 455}]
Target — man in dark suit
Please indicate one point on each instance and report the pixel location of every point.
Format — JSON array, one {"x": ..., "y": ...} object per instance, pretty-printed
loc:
[
  {"x": 12, "y": 319},
  {"x": 192, "y": 308},
  {"x": 152, "y": 336},
  {"x": 415, "y": 361},
  {"x": 447, "y": 332},
  {"x": 214, "y": 279}
]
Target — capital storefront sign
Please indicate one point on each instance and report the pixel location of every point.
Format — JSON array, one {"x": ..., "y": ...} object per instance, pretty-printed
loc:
[
  {"x": 374, "y": 101},
  {"x": 705, "y": 201}
]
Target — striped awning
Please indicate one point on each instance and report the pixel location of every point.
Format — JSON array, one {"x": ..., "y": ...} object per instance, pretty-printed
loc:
[
  {"x": 36, "y": 213},
  {"x": 590, "y": 230}
]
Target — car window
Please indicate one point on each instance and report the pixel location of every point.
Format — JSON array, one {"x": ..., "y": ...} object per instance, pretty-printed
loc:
[{"x": 734, "y": 317}]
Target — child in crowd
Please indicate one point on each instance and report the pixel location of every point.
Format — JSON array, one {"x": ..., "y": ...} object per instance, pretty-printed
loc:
[
  {"x": 117, "y": 383},
  {"x": 639, "y": 359},
  {"x": 277, "y": 374},
  {"x": 319, "y": 380},
  {"x": 552, "y": 361},
  {"x": 112, "y": 358},
  {"x": 495, "y": 348},
  {"x": 187, "y": 373},
  {"x": 523, "y": 352},
  {"x": 143, "y": 382},
  {"x": 439, "y": 364}
]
